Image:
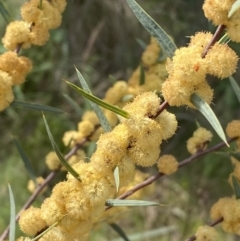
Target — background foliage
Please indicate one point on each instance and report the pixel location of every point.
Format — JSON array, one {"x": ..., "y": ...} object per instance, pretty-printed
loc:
[{"x": 99, "y": 38}]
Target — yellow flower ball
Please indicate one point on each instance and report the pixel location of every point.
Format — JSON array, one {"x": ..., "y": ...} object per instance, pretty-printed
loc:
[
  {"x": 206, "y": 233},
  {"x": 167, "y": 164},
  {"x": 233, "y": 129}
]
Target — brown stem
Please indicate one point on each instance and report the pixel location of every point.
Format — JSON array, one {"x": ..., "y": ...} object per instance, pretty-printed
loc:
[
  {"x": 48, "y": 179},
  {"x": 152, "y": 179},
  {"x": 213, "y": 40},
  {"x": 161, "y": 108}
]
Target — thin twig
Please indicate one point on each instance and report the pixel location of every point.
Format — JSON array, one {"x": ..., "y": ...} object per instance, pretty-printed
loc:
[
  {"x": 152, "y": 179},
  {"x": 213, "y": 40}
]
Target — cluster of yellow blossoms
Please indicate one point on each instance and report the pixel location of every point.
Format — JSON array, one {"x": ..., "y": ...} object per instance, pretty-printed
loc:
[
  {"x": 187, "y": 70},
  {"x": 38, "y": 17},
  {"x": 77, "y": 205},
  {"x": 218, "y": 11}
]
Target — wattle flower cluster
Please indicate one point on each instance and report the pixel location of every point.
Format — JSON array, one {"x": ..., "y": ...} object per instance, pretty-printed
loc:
[
  {"x": 217, "y": 11},
  {"x": 33, "y": 29},
  {"x": 77, "y": 205},
  {"x": 187, "y": 70}
]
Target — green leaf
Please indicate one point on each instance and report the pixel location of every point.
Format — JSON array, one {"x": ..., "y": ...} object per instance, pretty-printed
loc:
[
  {"x": 119, "y": 230},
  {"x": 26, "y": 161},
  {"x": 234, "y": 8},
  {"x": 26, "y": 105},
  {"x": 206, "y": 110},
  {"x": 151, "y": 234},
  {"x": 74, "y": 104},
  {"x": 59, "y": 154},
  {"x": 100, "y": 102},
  {"x": 129, "y": 203},
  {"x": 236, "y": 187},
  {"x": 12, "y": 215},
  {"x": 235, "y": 87},
  {"x": 224, "y": 39},
  {"x": 141, "y": 43},
  {"x": 102, "y": 118},
  {"x": 5, "y": 13},
  {"x": 45, "y": 231},
  {"x": 142, "y": 76},
  {"x": 116, "y": 177},
  {"x": 153, "y": 29}
]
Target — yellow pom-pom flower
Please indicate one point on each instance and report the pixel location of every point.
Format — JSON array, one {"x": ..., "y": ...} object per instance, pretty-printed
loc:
[
  {"x": 233, "y": 129},
  {"x": 167, "y": 164},
  {"x": 30, "y": 221},
  {"x": 206, "y": 233},
  {"x": 199, "y": 140}
]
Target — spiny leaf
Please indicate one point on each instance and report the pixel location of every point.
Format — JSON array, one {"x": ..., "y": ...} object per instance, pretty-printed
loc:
[
  {"x": 5, "y": 13},
  {"x": 26, "y": 161},
  {"x": 236, "y": 187},
  {"x": 116, "y": 177},
  {"x": 234, "y": 8},
  {"x": 38, "y": 107},
  {"x": 59, "y": 154},
  {"x": 206, "y": 110},
  {"x": 153, "y": 29},
  {"x": 12, "y": 215},
  {"x": 142, "y": 76},
  {"x": 235, "y": 87},
  {"x": 102, "y": 118},
  {"x": 44, "y": 232},
  {"x": 129, "y": 203},
  {"x": 100, "y": 102},
  {"x": 119, "y": 230},
  {"x": 74, "y": 104}
]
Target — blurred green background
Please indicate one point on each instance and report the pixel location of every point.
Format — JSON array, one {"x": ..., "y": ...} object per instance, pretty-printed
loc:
[{"x": 99, "y": 38}]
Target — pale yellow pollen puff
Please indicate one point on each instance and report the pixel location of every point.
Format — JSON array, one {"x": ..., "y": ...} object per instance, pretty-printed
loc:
[
  {"x": 90, "y": 116},
  {"x": 233, "y": 129},
  {"x": 111, "y": 117},
  {"x": 188, "y": 66},
  {"x": 201, "y": 137},
  {"x": 145, "y": 104},
  {"x": 85, "y": 127},
  {"x": 95, "y": 182},
  {"x": 206, "y": 233},
  {"x": 150, "y": 55},
  {"x": 221, "y": 61},
  {"x": 17, "y": 32},
  {"x": 39, "y": 34},
  {"x": 228, "y": 209},
  {"x": 168, "y": 123},
  {"x": 236, "y": 171},
  {"x": 111, "y": 147},
  {"x": 204, "y": 90},
  {"x": 70, "y": 138},
  {"x": 30, "y": 221},
  {"x": 30, "y": 11},
  {"x": 200, "y": 40},
  {"x": 158, "y": 70},
  {"x": 49, "y": 16},
  {"x": 24, "y": 239},
  {"x": 17, "y": 67},
  {"x": 217, "y": 11},
  {"x": 176, "y": 93},
  {"x": 80, "y": 156},
  {"x": 116, "y": 93},
  {"x": 6, "y": 94},
  {"x": 167, "y": 164},
  {"x": 145, "y": 140},
  {"x": 52, "y": 161},
  {"x": 59, "y": 4},
  {"x": 32, "y": 187},
  {"x": 52, "y": 210},
  {"x": 126, "y": 171}
]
